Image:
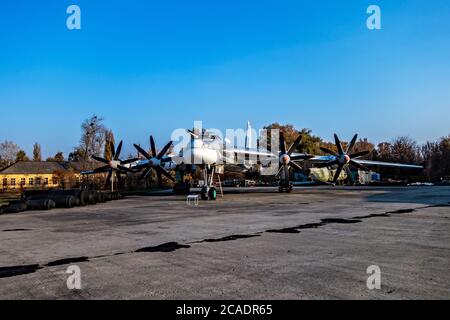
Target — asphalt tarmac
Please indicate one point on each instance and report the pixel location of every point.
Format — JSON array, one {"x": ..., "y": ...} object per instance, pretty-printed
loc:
[{"x": 315, "y": 243}]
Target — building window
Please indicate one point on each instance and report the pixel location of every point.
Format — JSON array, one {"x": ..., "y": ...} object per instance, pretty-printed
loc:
[
  {"x": 38, "y": 181},
  {"x": 30, "y": 181},
  {"x": 45, "y": 181},
  {"x": 5, "y": 181},
  {"x": 54, "y": 181},
  {"x": 22, "y": 181},
  {"x": 13, "y": 182}
]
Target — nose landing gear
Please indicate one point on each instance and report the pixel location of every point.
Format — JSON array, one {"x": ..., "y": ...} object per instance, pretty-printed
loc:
[{"x": 209, "y": 193}]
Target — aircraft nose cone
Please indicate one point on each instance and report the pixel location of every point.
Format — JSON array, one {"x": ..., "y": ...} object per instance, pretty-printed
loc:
[
  {"x": 285, "y": 158},
  {"x": 347, "y": 158}
]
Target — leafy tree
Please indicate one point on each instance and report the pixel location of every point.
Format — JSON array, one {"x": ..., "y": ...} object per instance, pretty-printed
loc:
[
  {"x": 109, "y": 138},
  {"x": 21, "y": 156},
  {"x": 59, "y": 157},
  {"x": 405, "y": 150},
  {"x": 309, "y": 144},
  {"x": 37, "y": 156}
]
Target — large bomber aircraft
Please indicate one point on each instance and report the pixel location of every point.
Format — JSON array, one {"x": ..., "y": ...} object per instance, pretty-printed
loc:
[{"x": 202, "y": 151}]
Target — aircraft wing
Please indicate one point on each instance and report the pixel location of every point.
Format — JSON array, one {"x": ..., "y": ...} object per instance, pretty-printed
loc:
[
  {"x": 250, "y": 152},
  {"x": 387, "y": 164},
  {"x": 369, "y": 162},
  {"x": 87, "y": 172}
]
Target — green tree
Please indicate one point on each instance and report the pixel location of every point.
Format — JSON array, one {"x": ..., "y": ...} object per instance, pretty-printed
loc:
[
  {"x": 109, "y": 138},
  {"x": 309, "y": 143},
  {"x": 59, "y": 157},
  {"x": 37, "y": 156},
  {"x": 21, "y": 156}
]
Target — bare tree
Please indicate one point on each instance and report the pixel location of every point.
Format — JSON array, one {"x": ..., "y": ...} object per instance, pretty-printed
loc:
[
  {"x": 93, "y": 137},
  {"x": 8, "y": 152}
]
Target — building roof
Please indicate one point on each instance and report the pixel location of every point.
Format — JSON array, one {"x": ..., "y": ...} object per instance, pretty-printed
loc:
[{"x": 37, "y": 167}]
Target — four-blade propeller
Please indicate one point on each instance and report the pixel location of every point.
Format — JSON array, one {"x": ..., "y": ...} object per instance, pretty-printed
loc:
[
  {"x": 155, "y": 161},
  {"x": 115, "y": 165},
  {"x": 344, "y": 159}
]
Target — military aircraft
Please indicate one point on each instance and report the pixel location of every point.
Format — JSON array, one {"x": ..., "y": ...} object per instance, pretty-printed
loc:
[{"x": 205, "y": 150}]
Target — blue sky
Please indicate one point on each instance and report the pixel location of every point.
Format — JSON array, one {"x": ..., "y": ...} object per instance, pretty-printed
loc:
[{"x": 150, "y": 67}]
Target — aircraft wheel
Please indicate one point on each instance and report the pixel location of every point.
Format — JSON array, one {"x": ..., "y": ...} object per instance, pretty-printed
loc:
[
  {"x": 204, "y": 193},
  {"x": 212, "y": 194}
]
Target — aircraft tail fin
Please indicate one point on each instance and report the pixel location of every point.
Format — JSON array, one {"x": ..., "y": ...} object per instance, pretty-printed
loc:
[{"x": 248, "y": 137}]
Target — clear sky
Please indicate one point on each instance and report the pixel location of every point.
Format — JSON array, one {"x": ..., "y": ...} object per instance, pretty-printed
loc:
[{"x": 151, "y": 66}]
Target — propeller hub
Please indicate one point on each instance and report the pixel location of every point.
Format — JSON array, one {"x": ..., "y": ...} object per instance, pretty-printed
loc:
[
  {"x": 344, "y": 159},
  {"x": 153, "y": 162},
  {"x": 347, "y": 158},
  {"x": 113, "y": 164},
  {"x": 285, "y": 159}
]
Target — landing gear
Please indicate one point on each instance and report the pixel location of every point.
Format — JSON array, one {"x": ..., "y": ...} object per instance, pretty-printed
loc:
[
  {"x": 212, "y": 194},
  {"x": 209, "y": 192},
  {"x": 204, "y": 193},
  {"x": 285, "y": 187}
]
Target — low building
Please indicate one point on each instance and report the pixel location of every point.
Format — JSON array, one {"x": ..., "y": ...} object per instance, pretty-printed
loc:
[{"x": 24, "y": 175}]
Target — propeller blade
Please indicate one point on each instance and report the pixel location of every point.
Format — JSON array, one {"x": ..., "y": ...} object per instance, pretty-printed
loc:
[
  {"x": 153, "y": 146},
  {"x": 166, "y": 160},
  {"x": 128, "y": 161},
  {"x": 142, "y": 151},
  {"x": 119, "y": 180},
  {"x": 144, "y": 174},
  {"x": 286, "y": 173},
  {"x": 338, "y": 173},
  {"x": 164, "y": 151},
  {"x": 329, "y": 151},
  {"x": 122, "y": 168},
  {"x": 295, "y": 166},
  {"x": 295, "y": 145},
  {"x": 100, "y": 159},
  {"x": 102, "y": 169},
  {"x": 108, "y": 181},
  {"x": 358, "y": 165},
  {"x": 349, "y": 175},
  {"x": 113, "y": 149},
  {"x": 279, "y": 171},
  {"x": 193, "y": 134},
  {"x": 158, "y": 174},
  {"x": 164, "y": 172},
  {"x": 352, "y": 144},
  {"x": 338, "y": 145},
  {"x": 359, "y": 154},
  {"x": 118, "y": 151},
  {"x": 282, "y": 143}
]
